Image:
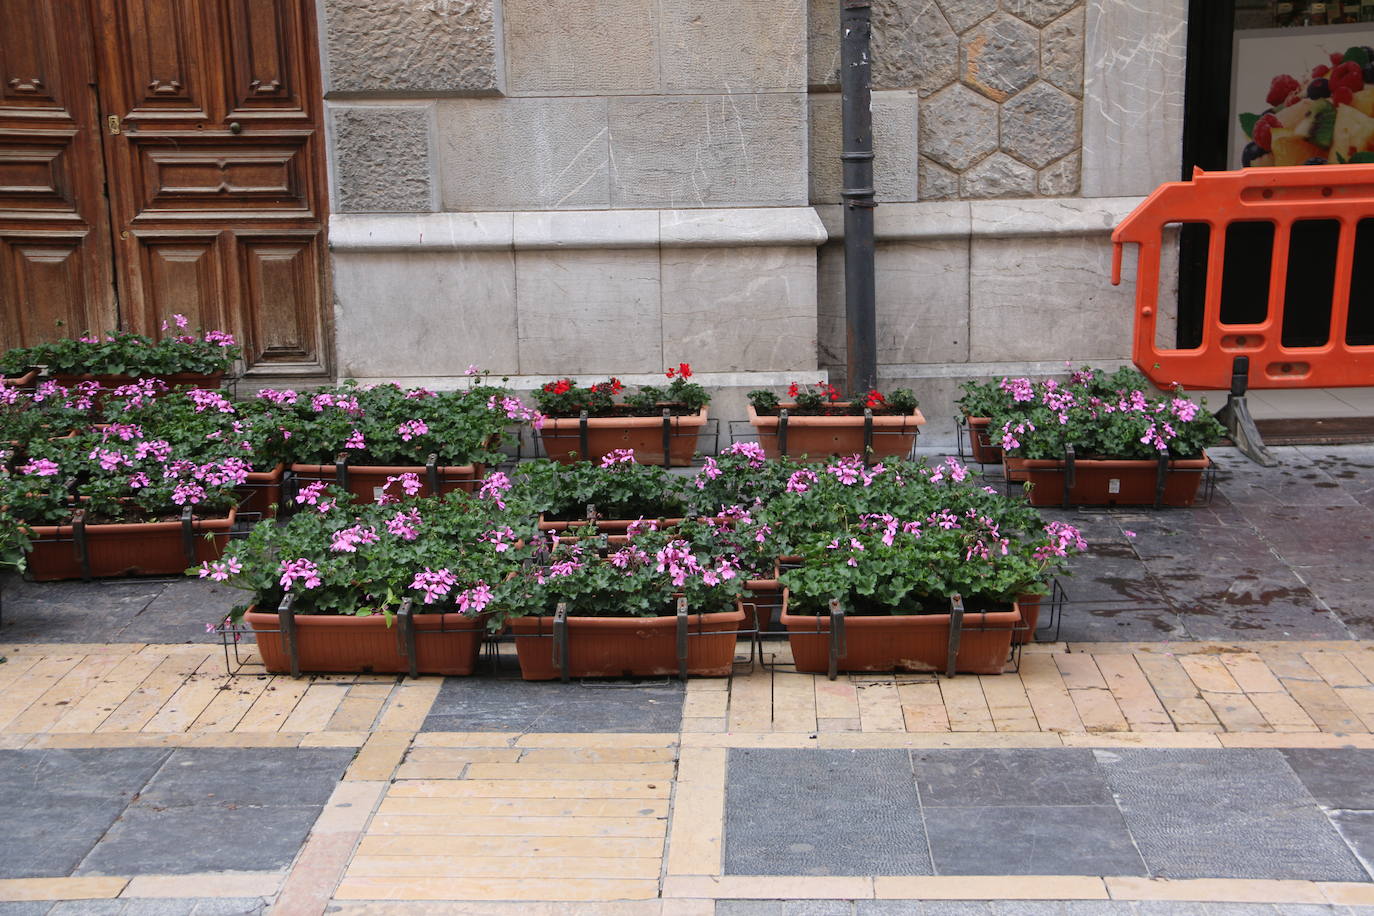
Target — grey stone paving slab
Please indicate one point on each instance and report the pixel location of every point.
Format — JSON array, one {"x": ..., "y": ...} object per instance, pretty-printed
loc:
[
  {"x": 784, "y": 907},
  {"x": 1357, "y": 827},
  {"x": 180, "y": 612},
  {"x": 1253, "y": 604},
  {"x": 1003, "y": 776},
  {"x": 24, "y": 908},
  {"x": 483, "y": 704},
  {"x": 1336, "y": 777},
  {"x": 1225, "y": 814},
  {"x": 90, "y": 908},
  {"x": 58, "y": 804},
  {"x": 89, "y": 612},
  {"x": 1345, "y": 590},
  {"x": 247, "y": 777},
  {"x": 822, "y": 812},
  {"x": 1031, "y": 840},
  {"x": 1316, "y": 536}
]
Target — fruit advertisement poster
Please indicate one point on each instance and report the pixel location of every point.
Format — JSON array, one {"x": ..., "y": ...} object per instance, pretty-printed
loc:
[{"x": 1303, "y": 96}]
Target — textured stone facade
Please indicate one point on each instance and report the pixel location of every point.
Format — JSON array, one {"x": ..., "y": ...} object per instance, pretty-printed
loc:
[
  {"x": 420, "y": 47},
  {"x": 381, "y": 158}
]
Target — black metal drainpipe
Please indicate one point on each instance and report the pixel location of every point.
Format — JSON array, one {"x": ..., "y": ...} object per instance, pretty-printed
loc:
[{"x": 860, "y": 316}]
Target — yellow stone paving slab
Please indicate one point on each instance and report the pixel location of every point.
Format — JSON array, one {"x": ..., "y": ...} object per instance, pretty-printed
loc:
[
  {"x": 1097, "y": 709},
  {"x": 235, "y": 699},
  {"x": 1336, "y": 669},
  {"x": 966, "y": 705},
  {"x": 571, "y": 771},
  {"x": 1144, "y": 739},
  {"x": 701, "y": 703},
  {"x": 794, "y": 702},
  {"x": 518, "y": 825},
  {"x": 273, "y": 705},
  {"x": 705, "y": 726},
  {"x": 1049, "y": 698},
  {"x": 1215, "y": 890},
  {"x": 1282, "y": 712},
  {"x": 349, "y": 807},
  {"x": 357, "y": 711},
  {"x": 837, "y": 699},
  {"x": 15, "y": 889},
  {"x": 1325, "y": 706},
  {"x": 409, "y": 705},
  {"x": 1209, "y": 673},
  {"x": 836, "y": 725},
  {"x": 504, "y": 844},
  {"x": 315, "y": 710},
  {"x": 92, "y": 709},
  {"x": 1007, "y": 702},
  {"x": 523, "y": 908},
  {"x": 880, "y": 706},
  {"x": 15, "y": 666},
  {"x": 751, "y": 702},
  {"x": 1360, "y": 700},
  {"x": 598, "y": 739},
  {"x": 526, "y": 888},
  {"x": 380, "y": 756},
  {"x": 37, "y": 681},
  {"x": 568, "y": 755},
  {"x": 451, "y": 762},
  {"x": 1343, "y": 893},
  {"x": 990, "y": 887},
  {"x": 532, "y": 788},
  {"x": 190, "y": 699},
  {"x": 1251, "y": 674},
  {"x": 517, "y": 807},
  {"x": 153, "y": 693},
  {"x": 334, "y": 739},
  {"x": 1078, "y": 670},
  {"x": 750, "y": 887},
  {"x": 1178, "y": 693},
  {"x": 83, "y": 679},
  {"x": 1362, "y": 657},
  {"x": 696, "y": 840},
  {"x": 242, "y": 884},
  {"x": 71, "y": 649},
  {"x": 467, "y": 865},
  {"x": 923, "y": 707},
  {"x": 477, "y": 739},
  {"x": 1236, "y": 712},
  {"x": 1134, "y": 696},
  {"x": 1297, "y": 739}
]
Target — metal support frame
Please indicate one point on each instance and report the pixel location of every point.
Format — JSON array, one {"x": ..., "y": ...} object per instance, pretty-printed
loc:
[
  {"x": 1069, "y": 458},
  {"x": 782, "y": 432},
  {"x": 286, "y": 618},
  {"x": 341, "y": 469},
  {"x": 405, "y": 636},
  {"x": 582, "y": 449},
  {"x": 838, "y": 649},
  {"x": 1161, "y": 477},
  {"x": 956, "y": 631},
  {"x": 682, "y": 639},
  {"x": 80, "y": 544},
  {"x": 667, "y": 437},
  {"x": 432, "y": 473},
  {"x": 560, "y": 640},
  {"x": 857, "y": 193},
  {"x": 1235, "y": 416},
  {"x": 868, "y": 435}
]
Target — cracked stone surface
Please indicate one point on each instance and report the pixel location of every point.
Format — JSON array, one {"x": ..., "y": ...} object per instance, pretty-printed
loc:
[
  {"x": 1061, "y": 178},
  {"x": 958, "y": 127},
  {"x": 1038, "y": 12},
  {"x": 1000, "y": 57},
  {"x": 999, "y": 175},
  {"x": 1041, "y": 125},
  {"x": 913, "y": 47},
  {"x": 935, "y": 182},
  {"x": 964, "y": 14},
  {"x": 381, "y": 159},
  {"x": 1061, "y": 52}
]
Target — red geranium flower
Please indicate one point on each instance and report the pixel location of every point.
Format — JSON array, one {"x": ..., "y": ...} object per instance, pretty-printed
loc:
[
  {"x": 874, "y": 399},
  {"x": 684, "y": 370},
  {"x": 792, "y": 390}
]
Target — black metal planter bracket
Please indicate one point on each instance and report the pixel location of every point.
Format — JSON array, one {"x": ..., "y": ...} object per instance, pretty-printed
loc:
[
  {"x": 188, "y": 536},
  {"x": 1069, "y": 459},
  {"x": 1161, "y": 477},
  {"x": 582, "y": 436},
  {"x": 405, "y": 636},
  {"x": 956, "y": 627},
  {"x": 682, "y": 639},
  {"x": 286, "y": 622},
  {"x": 341, "y": 470},
  {"x": 868, "y": 435},
  {"x": 560, "y": 640},
  {"x": 837, "y": 639},
  {"x": 782, "y": 432},
  {"x": 667, "y": 437},
  {"x": 79, "y": 544},
  {"x": 432, "y": 473}
]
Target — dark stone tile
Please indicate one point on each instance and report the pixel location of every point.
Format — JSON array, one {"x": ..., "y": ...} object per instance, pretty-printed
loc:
[
  {"x": 1000, "y": 777},
  {"x": 1250, "y": 603},
  {"x": 89, "y": 612},
  {"x": 1116, "y": 600},
  {"x": 502, "y": 704},
  {"x": 822, "y": 812},
  {"x": 1336, "y": 777},
  {"x": 24, "y": 907},
  {"x": 181, "y": 611},
  {"x": 1318, "y": 536},
  {"x": 204, "y": 838},
  {"x": 1345, "y": 590},
  {"x": 1296, "y": 481},
  {"x": 1225, "y": 814},
  {"x": 247, "y": 777},
  {"x": 229, "y": 906},
  {"x": 87, "y": 908},
  {"x": 1358, "y": 829},
  {"x": 1351, "y": 466},
  {"x": 1031, "y": 840},
  {"x": 58, "y": 804}
]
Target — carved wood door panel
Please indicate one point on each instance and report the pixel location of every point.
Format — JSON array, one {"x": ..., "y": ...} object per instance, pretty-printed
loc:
[
  {"x": 216, "y": 174},
  {"x": 54, "y": 228}
]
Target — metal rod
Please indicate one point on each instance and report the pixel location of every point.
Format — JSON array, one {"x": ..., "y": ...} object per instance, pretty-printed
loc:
[
  {"x": 857, "y": 193},
  {"x": 1161, "y": 477},
  {"x": 405, "y": 635},
  {"x": 560, "y": 640},
  {"x": 782, "y": 432},
  {"x": 188, "y": 536},
  {"x": 667, "y": 437},
  {"x": 837, "y": 638},
  {"x": 83, "y": 549},
  {"x": 432, "y": 472},
  {"x": 1069, "y": 457},
  {"x": 341, "y": 470},
  {"x": 286, "y": 620},
  {"x": 682, "y": 638},
  {"x": 956, "y": 626},
  {"x": 868, "y": 435},
  {"x": 582, "y": 436}
]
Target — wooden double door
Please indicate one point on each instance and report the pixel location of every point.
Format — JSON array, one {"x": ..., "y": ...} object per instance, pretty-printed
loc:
[{"x": 161, "y": 157}]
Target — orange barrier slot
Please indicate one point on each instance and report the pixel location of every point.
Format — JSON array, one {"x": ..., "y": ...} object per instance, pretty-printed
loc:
[{"x": 1330, "y": 201}]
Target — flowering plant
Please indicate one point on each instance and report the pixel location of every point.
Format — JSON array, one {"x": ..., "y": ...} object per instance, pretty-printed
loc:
[
  {"x": 124, "y": 353},
  {"x": 823, "y": 399},
  {"x": 202, "y": 422},
  {"x": 14, "y": 535},
  {"x": 390, "y": 425},
  {"x": 640, "y": 577},
  {"x": 618, "y": 486},
  {"x": 1100, "y": 415},
  {"x": 120, "y": 473},
  {"x": 47, "y": 411},
  {"x": 564, "y": 398},
  {"x": 741, "y": 476},
  {"x": 339, "y": 558}
]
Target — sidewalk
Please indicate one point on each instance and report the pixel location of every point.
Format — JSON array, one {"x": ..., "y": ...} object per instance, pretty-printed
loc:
[{"x": 1205, "y": 746}]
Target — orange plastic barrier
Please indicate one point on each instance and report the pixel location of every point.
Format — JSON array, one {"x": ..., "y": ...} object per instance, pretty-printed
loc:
[{"x": 1282, "y": 197}]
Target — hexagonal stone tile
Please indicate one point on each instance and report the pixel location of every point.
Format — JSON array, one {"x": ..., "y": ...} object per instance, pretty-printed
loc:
[
  {"x": 1000, "y": 57},
  {"x": 958, "y": 127},
  {"x": 1040, "y": 125},
  {"x": 935, "y": 182},
  {"x": 964, "y": 14},
  {"x": 913, "y": 46},
  {"x": 1061, "y": 52},
  {"x": 999, "y": 175},
  {"x": 1038, "y": 12},
  {"x": 1061, "y": 178}
]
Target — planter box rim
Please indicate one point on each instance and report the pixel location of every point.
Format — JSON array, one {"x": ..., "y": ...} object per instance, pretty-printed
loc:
[
  {"x": 1201, "y": 462},
  {"x": 388, "y": 469},
  {"x": 543, "y": 622},
  {"x": 915, "y": 418},
  {"x": 217, "y": 523},
  {"x": 562, "y": 424},
  {"x": 422, "y": 620}
]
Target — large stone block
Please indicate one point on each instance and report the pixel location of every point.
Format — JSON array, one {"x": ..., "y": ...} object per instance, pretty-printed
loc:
[
  {"x": 922, "y": 302},
  {"x": 383, "y": 160},
  {"x": 999, "y": 175},
  {"x": 438, "y": 47},
  {"x": 958, "y": 127},
  {"x": 1133, "y": 86},
  {"x": 589, "y": 311},
  {"x": 424, "y": 313},
  {"x": 587, "y": 46},
  {"x": 1000, "y": 57},
  {"x": 1013, "y": 319},
  {"x": 1061, "y": 178},
  {"x": 823, "y": 44},
  {"x": 965, "y": 14},
  {"x": 894, "y": 146},
  {"x": 742, "y": 309},
  {"x": 935, "y": 182},
  {"x": 523, "y": 154},
  {"x": 742, "y": 46},
  {"x": 1041, "y": 125},
  {"x": 706, "y": 150},
  {"x": 913, "y": 46},
  {"x": 1061, "y": 52}
]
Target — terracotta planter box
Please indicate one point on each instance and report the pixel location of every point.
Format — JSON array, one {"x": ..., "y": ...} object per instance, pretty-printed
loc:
[
  {"x": 125, "y": 549},
  {"x": 562, "y": 442},
  {"x": 1016, "y": 468},
  {"x": 1105, "y": 482},
  {"x": 603, "y": 525},
  {"x": 365, "y": 482},
  {"x": 980, "y": 445},
  {"x": 918, "y": 642},
  {"x": 767, "y": 594},
  {"x": 1030, "y": 619},
  {"x": 444, "y": 643},
  {"x": 261, "y": 492},
  {"x": 175, "y": 381},
  {"x": 628, "y": 646},
  {"x": 823, "y": 437}
]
